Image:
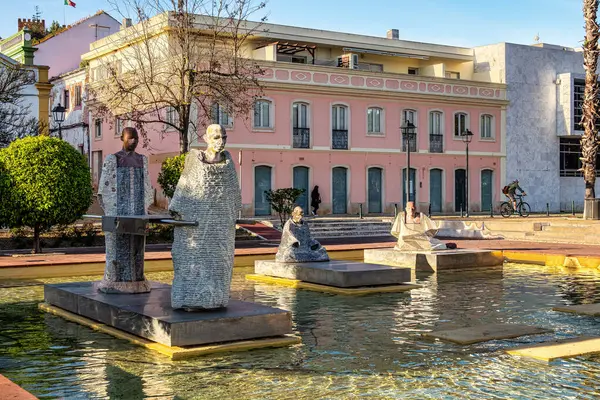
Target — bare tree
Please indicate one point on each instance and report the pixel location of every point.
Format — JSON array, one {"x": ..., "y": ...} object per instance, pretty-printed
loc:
[
  {"x": 180, "y": 68},
  {"x": 589, "y": 139},
  {"x": 15, "y": 113}
]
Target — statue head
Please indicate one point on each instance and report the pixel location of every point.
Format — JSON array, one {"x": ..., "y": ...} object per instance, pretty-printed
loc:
[
  {"x": 410, "y": 208},
  {"x": 130, "y": 138},
  {"x": 215, "y": 138},
  {"x": 297, "y": 214}
]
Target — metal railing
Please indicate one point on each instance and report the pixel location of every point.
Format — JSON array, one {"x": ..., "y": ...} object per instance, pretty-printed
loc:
[
  {"x": 436, "y": 143},
  {"x": 301, "y": 138},
  {"x": 339, "y": 139},
  {"x": 413, "y": 145}
]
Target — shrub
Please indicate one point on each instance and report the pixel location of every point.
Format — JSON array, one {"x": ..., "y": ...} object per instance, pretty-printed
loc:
[
  {"x": 283, "y": 201},
  {"x": 170, "y": 172},
  {"x": 49, "y": 184}
]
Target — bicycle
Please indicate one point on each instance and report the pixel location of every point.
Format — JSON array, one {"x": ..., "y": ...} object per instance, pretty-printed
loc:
[{"x": 506, "y": 208}]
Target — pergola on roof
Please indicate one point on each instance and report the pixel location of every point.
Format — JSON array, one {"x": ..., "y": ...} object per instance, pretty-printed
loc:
[{"x": 292, "y": 48}]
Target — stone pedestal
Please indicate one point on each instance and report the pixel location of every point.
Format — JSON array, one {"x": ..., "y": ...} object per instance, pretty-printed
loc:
[
  {"x": 150, "y": 316},
  {"x": 342, "y": 274},
  {"x": 435, "y": 261}
]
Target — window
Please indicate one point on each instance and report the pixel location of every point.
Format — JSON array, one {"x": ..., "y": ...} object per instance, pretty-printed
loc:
[
  {"x": 118, "y": 126},
  {"x": 374, "y": 120},
  {"x": 220, "y": 115},
  {"x": 370, "y": 67},
  {"x": 291, "y": 59},
  {"x": 452, "y": 75},
  {"x": 262, "y": 114},
  {"x": 171, "y": 116},
  {"x": 410, "y": 116},
  {"x": 486, "y": 126},
  {"x": 66, "y": 99},
  {"x": 578, "y": 93},
  {"x": 570, "y": 152},
  {"x": 98, "y": 128},
  {"x": 339, "y": 117},
  {"x": 413, "y": 71},
  {"x": 78, "y": 96},
  {"x": 460, "y": 123},
  {"x": 300, "y": 115},
  {"x": 435, "y": 123}
]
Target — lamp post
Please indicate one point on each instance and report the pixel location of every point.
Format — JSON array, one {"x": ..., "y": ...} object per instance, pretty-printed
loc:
[
  {"x": 466, "y": 137},
  {"x": 58, "y": 115},
  {"x": 409, "y": 134}
]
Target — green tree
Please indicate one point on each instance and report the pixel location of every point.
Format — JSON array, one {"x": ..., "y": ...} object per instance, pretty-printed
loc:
[
  {"x": 169, "y": 174},
  {"x": 283, "y": 201},
  {"x": 46, "y": 182},
  {"x": 54, "y": 27}
]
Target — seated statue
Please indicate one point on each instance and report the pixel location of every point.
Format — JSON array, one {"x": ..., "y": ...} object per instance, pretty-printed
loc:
[
  {"x": 296, "y": 243},
  {"x": 415, "y": 231}
]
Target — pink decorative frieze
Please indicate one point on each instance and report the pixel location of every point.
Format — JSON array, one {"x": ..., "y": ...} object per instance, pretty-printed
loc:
[
  {"x": 409, "y": 85},
  {"x": 497, "y": 93},
  {"x": 358, "y": 81},
  {"x": 473, "y": 91},
  {"x": 392, "y": 84},
  {"x": 486, "y": 92},
  {"x": 376, "y": 83},
  {"x": 301, "y": 76},
  {"x": 282, "y": 75},
  {"x": 339, "y": 79},
  {"x": 320, "y": 78},
  {"x": 268, "y": 73},
  {"x": 435, "y": 88},
  {"x": 448, "y": 89},
  {"x": 460, "y": 90},
  {"x": 422, "y": 86}
]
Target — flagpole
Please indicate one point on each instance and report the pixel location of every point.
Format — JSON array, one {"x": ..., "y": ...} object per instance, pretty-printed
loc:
[{"x": 64, "y": 15}]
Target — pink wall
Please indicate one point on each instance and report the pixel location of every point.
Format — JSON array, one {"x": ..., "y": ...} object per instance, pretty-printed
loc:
[
  {"x": 384, "y": 153},
  {"x": 72, "y": 43}
]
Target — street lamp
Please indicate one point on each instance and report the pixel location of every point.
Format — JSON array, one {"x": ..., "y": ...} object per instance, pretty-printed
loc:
[
  {"x": 466, "y": 137},
  {"x": 58, "y": 115},
  {"x": 409, "y": 134}
]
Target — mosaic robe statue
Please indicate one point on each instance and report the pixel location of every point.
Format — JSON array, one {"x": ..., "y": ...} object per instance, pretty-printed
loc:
[
  {"x": 125, "y": 189},
  {"x": 417, "y": 234},
  {"x": 297, "y": 245},
  {"x": 203, "y": 254}
]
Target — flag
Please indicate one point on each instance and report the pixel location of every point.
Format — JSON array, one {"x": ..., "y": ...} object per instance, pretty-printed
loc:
[{"x": 69, "y": 3}]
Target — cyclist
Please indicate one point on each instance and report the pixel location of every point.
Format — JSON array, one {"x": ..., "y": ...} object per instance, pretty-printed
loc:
[{"x": 510, "y": 190}]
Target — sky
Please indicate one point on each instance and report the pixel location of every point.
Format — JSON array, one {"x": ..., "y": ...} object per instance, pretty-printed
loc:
[{"x": 466, "y": 23}]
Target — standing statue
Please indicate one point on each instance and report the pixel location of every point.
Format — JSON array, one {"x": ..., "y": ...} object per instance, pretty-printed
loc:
[
  {"x": 125, "y": 190},
  {"x": 297, "y": 245},
  {"x": 415, "y": 231},
  {"x": 208, "y": 192}
]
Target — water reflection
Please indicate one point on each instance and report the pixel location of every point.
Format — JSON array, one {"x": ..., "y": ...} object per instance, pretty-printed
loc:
[{"x": 351, "y": 346}]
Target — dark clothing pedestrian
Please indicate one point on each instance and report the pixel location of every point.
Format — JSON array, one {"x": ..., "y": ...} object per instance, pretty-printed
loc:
[{"x": 315, "y": 200}]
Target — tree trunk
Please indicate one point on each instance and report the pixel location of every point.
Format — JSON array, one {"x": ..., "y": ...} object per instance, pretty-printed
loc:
[
  {"x": 36, "y": 240},
  {"x": 589, "y": 140}
]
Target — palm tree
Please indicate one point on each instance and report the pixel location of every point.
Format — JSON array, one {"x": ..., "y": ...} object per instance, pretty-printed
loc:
[{"x": 589, "y": 139}]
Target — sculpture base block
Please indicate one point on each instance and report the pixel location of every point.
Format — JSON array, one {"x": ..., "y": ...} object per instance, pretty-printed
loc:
[
  {"x": 435, "y": 261},
  {"x": 342, "y": 274},
  {"x": 150, "y": 316}
]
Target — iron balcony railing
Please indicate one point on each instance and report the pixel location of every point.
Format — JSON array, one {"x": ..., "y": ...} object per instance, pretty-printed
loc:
[
  {"x": 301, "y": 138},
  {"x": 413, "y": 145},
  {"x": 339, "y": 139},
  {"x": 436, "y": 143}
]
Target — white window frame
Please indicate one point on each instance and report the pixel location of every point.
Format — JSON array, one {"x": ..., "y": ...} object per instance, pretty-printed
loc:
[
  {"x": 301, "y": 105},
  {"x": 338, "y": 123},
  {"x": 98, "y": 128},
  {"x": 270, "y": 115},
  {"x": 371, "y": 128},
  {"x": 171, "y": 117},
  {"x": 222, "y": 117},
  {"x": 464, "y": 127},
  {"x": 439, "y": 113},
  {"x": 119, "y": 125},
  {"x": 482, "y": 129}
]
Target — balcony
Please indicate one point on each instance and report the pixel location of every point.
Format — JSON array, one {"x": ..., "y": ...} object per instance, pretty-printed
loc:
[
  {"x": 301, "y": 138},
  {"x": 436, "y": 143},
  {"x": 339, "y": 139},
  {"x": 413, "y": 145}
]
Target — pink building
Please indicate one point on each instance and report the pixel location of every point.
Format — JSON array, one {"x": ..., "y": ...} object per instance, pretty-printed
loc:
[{"x": 331, "y": 116}]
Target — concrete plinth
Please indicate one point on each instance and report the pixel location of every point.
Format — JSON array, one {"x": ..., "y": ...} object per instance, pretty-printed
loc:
[
  {"x": 150, "y": 316},
  {"x": 343, "y": 274},
  {"x": 435, "y": 260}
]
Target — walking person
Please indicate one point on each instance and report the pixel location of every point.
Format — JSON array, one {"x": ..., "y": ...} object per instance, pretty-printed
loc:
[{"x": 315, "y": 200}]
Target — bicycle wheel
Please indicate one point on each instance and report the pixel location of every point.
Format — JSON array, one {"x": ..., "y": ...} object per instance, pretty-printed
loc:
[
  {"x": 524, "y": 210},
  {"x": 506, "y": 209}
]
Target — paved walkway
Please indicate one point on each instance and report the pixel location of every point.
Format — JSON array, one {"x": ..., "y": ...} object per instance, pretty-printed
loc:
[{"x": 537, "y": 251}]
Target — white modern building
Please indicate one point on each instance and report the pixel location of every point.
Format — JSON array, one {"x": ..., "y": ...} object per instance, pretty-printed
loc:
[{"x": 545, "y": 93}]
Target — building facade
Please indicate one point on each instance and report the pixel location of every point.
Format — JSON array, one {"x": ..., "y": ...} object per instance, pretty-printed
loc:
[
  {"x": 330, "y": 117},
  {"x": 543, "y": 119}
]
